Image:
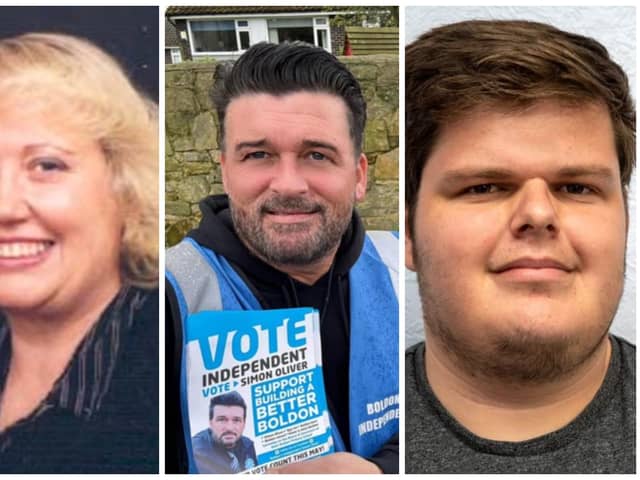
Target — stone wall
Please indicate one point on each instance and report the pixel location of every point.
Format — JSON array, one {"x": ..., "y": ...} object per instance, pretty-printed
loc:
[{"x": 192, "y": 168}]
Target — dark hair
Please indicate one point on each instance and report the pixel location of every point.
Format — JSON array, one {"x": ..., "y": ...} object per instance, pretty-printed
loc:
[
  {"x": 279, "y": 69},
  {"x": 231, "y": 399},
  {"x": 454, "y": 69}
]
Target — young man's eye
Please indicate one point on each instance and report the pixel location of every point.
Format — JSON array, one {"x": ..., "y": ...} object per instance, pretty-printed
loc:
[
  {"x": 576, "y": 189},
  {"x": 482, "y": 189}
]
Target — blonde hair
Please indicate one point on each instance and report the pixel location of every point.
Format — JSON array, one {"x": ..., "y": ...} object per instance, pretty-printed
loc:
[{"x": 72, "y": 78}]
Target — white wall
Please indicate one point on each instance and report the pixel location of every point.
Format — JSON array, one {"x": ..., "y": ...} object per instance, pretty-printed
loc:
[
  {"x": 614, "y": 27},
  {"x": 259, "y": 31}
]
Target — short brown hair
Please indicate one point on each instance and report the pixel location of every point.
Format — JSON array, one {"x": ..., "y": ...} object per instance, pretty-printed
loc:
[{"x": 455, "y": 69}]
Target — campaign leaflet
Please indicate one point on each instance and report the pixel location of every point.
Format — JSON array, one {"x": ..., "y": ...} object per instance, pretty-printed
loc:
[{"x": 272, "y": 359}]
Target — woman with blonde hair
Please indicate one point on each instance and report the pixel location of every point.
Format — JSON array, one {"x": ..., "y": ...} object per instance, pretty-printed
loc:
[{"x": 78, "y": 262}]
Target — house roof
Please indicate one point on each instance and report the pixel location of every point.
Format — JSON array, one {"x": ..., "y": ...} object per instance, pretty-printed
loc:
[
  {"x": 211, "y": 10},
  {"x": 170, "y": 35}
]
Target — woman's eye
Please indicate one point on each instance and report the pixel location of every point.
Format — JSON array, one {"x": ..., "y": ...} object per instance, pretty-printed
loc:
[
  {"x": 481, "y": 189},
  {"x": 47, "y": 164},
  {"x": 576, "y": 189}
]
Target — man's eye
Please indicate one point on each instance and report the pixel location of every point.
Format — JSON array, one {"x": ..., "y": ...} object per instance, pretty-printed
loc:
[
  {"x": 317, "y": 156},
  {"x": 481, "y": 189},
  {"x": 576, "y": 189},
  {"x": 257, "y": 155}
]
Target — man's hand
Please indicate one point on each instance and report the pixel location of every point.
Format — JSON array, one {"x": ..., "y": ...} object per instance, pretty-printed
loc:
[{"x": 334, "y": 463}]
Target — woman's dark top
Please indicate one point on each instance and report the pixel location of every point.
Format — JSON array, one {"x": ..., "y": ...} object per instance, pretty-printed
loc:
[{"x": 102, "y": 414}]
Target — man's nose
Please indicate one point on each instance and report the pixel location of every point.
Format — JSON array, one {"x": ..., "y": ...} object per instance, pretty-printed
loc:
[
  {"x": 13, "y": 203},
  {"x": 535, "y": 210},
  {"x": 289, "y": 177}
]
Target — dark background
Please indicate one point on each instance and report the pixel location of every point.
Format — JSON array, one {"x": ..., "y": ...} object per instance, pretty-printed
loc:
[{"x": 130, "y": 34}]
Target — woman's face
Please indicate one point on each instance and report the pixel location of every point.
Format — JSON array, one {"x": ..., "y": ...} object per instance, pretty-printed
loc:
[{"x": 60, "y": 223}]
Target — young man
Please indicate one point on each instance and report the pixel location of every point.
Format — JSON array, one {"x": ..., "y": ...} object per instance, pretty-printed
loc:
[
  {"x": 520, "y": 148},
  {"x": 222, "y": 448},
  {"x": 287, "y": 235}
]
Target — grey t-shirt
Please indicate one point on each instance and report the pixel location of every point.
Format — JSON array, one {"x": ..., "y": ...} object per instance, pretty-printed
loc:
[{"x": 601, "y": 439}]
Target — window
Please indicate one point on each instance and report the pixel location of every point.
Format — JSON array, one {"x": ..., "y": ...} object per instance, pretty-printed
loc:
[
  {"x": 214, "y": 36},
  {"x": 176, "y": 56},
  {"x": 321, "y": 39},
  {"x": 237, "y": 35},
  {"x": 290, "y": 30},
  {"x": 244, "y": 37},
  {"x": 220, "y": 35},
  {"x": 244, "y": 40},
  {"x": 321, "y": 29}
]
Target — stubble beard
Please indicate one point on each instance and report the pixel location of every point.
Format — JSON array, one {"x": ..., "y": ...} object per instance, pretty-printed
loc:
[
  {"x": 295, "y": 244},
  {"x": 513, "y": 356},
  {"x": 227, "y": 445}
]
